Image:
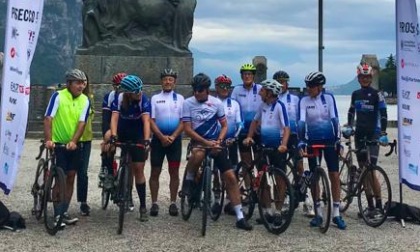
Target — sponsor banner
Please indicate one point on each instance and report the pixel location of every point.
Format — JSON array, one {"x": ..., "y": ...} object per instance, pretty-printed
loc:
[
  {"x": 408, "y": 80},
  {"x": 22, "y": 28}
]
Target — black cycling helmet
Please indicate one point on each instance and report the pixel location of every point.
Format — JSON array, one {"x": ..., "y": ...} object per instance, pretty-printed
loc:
[
  {"x": 200, "y": 81},
  {"x": 168, "y": 72},
  {"x": 315, "y": 79},
  {"x": 281, "y": 75}
]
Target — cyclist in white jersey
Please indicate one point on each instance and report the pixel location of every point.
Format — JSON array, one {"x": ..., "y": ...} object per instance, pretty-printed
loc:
[
  {"x": 166, "y": 125},
  {"x": 249, "y": 100},
  {"x": 205, "y": 122},
  {"x": 291, "y": 101},
  {"x": 318, "y": 124}
]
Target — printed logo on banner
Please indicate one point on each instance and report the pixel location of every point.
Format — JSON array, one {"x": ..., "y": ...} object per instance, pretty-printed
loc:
[
  {"x": 406, "y": 138},
  {"x": 10, "y": 116},
  {"x": 5, "y": 149},
  {"x": 23, "y": 14},
  {"x": 13, "y": 53},
  {"x": 15, "y": 33},
  {"x": 6, "y": 168},
  {"x": 409, "y": 27},
  {"x": 31, "y": 36},
  {"x": 408, "y": 45},
  {"x": 407, "y": 121},
  {"x": 413, "y": 168},
  {"x": 406, "y": 106},
  {"x": 407, "y": 152},
  {"x": 410, "y": 79},
  {"x": 28, "y": 53},
  {"x": 14, "y": 87},
  {"x": 12, "y": 100},
  {"x": 27, "y": 90},
  {"x": 16, "y": 70},
  {"x": 8, "y": 134},
  {"x": 418, "y": 95},
  {"x": 405, "y": 94}
]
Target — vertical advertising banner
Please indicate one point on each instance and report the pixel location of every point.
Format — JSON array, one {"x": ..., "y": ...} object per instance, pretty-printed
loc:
[
  {"x": 23, "y": 22},
  {"x": 408, "y": 81}
]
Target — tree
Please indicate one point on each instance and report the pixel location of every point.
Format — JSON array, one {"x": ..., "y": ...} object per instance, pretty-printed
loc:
[
  {"x": 388, "y": 76},
  {"x": 390, "y": 63}
]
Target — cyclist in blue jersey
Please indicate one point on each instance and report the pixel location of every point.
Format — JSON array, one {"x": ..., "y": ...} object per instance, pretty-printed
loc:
[
  {"x": 275, "y": 130},
  {"x": 368, "y": 105},
  {"x": 205, "y": 122},
  {"x": 249, "y": 100},
  {"x": 167, "y": 127},
  {"x": 318, "y": 124},
  {"x": 233, "y": 118},
  {"x": 130, "y": 121},
  {"x": 291, "y": 101}
]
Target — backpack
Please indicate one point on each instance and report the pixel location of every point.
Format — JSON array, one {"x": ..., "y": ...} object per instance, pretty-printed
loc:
[
  {"x": 404, "y": 211},
  {"x": 4, "y": 214},
  {"x": 11, "y": 220}
]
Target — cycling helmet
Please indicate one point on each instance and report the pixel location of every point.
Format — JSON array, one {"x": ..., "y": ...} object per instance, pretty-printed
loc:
[
  {"x": 131, "y": 84},
  {"x": 75, "y": 75},
  {"x": 364, "y": 69},
  {"x": 281, "y": 75},
  {"x": 200, "y": 81},
  {"x": 116, "y": 80},
  {"x": 315, "y": 79},
  {"x": 248, "y": 67},
  {"x": 168, "y": 72},
  {"x": 223, "y": 79},
  {"x": 272, "y": 85},
  {"x": 347, "y": 132}
]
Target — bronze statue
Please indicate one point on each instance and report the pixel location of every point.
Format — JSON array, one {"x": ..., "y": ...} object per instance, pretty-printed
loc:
[{"x": 139, "y": 26}]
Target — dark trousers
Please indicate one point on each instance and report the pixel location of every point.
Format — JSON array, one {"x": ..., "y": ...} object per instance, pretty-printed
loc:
[{"x": 82, "y": 175}]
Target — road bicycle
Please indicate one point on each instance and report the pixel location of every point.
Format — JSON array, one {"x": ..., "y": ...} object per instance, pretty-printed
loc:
[
  {"x": 268, "y": 186},
  {"x": 368, "y": 183},
  {"x": 48, "y": 189}
]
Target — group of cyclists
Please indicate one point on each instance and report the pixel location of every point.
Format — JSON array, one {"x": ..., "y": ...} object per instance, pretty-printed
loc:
[{"x": 266, "y": 114}]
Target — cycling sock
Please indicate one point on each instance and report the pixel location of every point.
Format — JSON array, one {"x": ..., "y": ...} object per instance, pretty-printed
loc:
[
  {"x": 318, "y": 208},
  {"x": 238, "y": 211},
  {"x": 141, "y": 191},
  {"x": 190, "y": 176},
  {"x": 336, "y": 209},
  {"x": 370, "y": 202},
  {"x": 379, "y": 203}
]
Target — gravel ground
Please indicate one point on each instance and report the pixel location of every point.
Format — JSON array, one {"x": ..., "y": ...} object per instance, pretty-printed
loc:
[{"x": 166, "y": 233}]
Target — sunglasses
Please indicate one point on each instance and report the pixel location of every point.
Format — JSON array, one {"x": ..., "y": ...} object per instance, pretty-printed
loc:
[
  {"x": 224, "y": 86},
  {"x": 199, "y": 90}
]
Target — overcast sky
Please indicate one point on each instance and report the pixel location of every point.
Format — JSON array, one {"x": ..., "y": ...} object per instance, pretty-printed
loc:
[{"x": 228, "y": 33}]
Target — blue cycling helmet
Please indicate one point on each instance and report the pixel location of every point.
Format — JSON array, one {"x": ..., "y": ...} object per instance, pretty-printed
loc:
[{"x": 131, "y": 84}]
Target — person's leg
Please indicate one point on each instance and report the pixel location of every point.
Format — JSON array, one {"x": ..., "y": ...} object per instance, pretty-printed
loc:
[
  {"x": 173, "y": 154},
  {"x": 157, "y": 155},
  {"x": 82, "y": 179},
  {"x": 137, "y": 167}
]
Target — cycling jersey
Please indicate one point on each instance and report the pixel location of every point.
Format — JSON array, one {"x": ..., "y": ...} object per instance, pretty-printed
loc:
[
  {"x": 106, "y": 111},
  {"x": 291, "y": 102},
  {"x": 130, "y": 124},
  {"x": 67, "y": 113},
  {"x": 233, "y": 116},
  {"x": 369, "y": 107},
  {"x": 108, "y": 99},
  {"x": 204, "y": 116},
  {"x": 318, "y": 118},
  {"x": 250, "y": 101},
  {"x": 166, "y": 109},
  {"x": 273, "y": 119}
]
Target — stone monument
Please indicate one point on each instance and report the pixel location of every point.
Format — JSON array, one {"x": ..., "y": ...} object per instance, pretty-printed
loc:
[{"x": 136, "y": 36}]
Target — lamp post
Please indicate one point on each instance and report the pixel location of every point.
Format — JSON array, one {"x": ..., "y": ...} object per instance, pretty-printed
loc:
[{"x": 320, "y": 34}]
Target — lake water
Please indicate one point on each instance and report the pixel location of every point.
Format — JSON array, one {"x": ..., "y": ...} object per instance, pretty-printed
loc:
[{"x": 343, "y": 103}]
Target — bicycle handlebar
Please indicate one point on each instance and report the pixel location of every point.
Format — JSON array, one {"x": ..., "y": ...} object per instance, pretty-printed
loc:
[
  {"x": 392, "y": 147},
  {"x": 42, "y": 148}
]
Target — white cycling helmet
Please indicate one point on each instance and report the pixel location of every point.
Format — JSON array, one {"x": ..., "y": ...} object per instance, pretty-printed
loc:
[{"x": 272, "y": 85}]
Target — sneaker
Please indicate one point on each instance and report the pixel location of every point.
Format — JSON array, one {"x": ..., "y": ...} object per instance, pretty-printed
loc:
[
  {"x": 84, "y": 209},
  {"x": 62, "y": 225},
  {"x": 130, "y": 205},
  {"x": 316, "y": 221},
  {"x": 341, "y": 224},
  {"x": 173, "y": 210},
  {"x": 143, "y": 215},
  {"x": 216, "y": 208},
  {"x": 154, "y": 210},
  {"x": 69, "y": 220},
  {"x": 243, "y": 224},
  {"x": 228, "y": 209},
  {"x": 267, "y": 216},
  {"x": 308, "y": 210}
]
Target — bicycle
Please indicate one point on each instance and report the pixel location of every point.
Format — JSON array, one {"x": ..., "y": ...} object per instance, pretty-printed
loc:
[
  {"x": 317, "y": 180},
  {"x": 264, "y": 184},
  {"x": 120, "y": 193},
  {"x": 48, "y": 189},
  {"x": 367, "y": 180},
  {"x": 201, "y": 193}
]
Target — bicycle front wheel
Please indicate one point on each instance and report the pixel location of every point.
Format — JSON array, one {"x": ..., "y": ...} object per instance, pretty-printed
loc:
[
  {"x": 54, "y": 199},
  {"x": 124, "y": 175},
  {"x": 276, "y": 201},
  {"x": 320, "y": 188},
  {"x": 38, "y": 189},
  {"x": 347, "y": 185},
  {"x": 206, "y": 199},
  {"x": 186, "y": 201},
  {"x": 218, "y": 196},
  {"x": 374, "y": 196},
  {"x": 245, "y": 179}
]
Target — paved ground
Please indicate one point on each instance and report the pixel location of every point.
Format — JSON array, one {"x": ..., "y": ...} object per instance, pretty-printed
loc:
[{"x": 166, "y": 233}]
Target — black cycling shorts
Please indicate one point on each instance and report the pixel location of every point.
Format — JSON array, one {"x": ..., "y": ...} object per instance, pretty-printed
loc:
[
  {"x": 68, "y": 160},
  {"x": 172, "y": 152},
  {"x": 330, "y": 156},
  {"x": 221, "y": 160}
]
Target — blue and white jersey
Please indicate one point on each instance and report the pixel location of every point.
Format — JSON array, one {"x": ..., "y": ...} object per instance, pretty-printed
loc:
[
  {"x": 318, "y": 118},
  {"x": 273, "y": 119},
  {"x": 108, "y": 99},
  {"x": 250, "y": 101},
  {"x": 204, "y": 116},
  {"x": 233, "y": 116},
  {"x": 291, "y": 102},
  {"x": 166, "y": 110}
]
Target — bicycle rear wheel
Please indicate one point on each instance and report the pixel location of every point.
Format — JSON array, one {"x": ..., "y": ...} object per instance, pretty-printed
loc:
[
  {"x": 276, "y": 201},
  {"x": 38, "y": 189},
  {"x": 54, "y": 199},
  {"x": 218, "y": 197},
  {"x": 374, "y": 197},
  {"x": 186, "y": 202},
  {"x": 245, "y": 178},
  {"x": 124, "y": 175},
  {"x": 206, "y": 199},
  {"x": 347, "y": 184},
  {"x": 321, "y": 186}
]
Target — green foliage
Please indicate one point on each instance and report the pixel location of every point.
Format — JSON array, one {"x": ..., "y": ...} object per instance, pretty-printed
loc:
[{"x": 388, "y": 76}]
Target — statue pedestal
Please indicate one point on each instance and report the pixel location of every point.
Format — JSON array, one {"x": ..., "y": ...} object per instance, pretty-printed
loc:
[{"x": 100, "y": 69}]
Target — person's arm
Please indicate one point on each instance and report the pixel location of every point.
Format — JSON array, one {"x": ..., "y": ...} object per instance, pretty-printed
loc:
[
  {"x": 48, "y": 119},
  {"x": 192, "y": 134},
  {"x": 351, "y": 112},
  {"x": 145, "y": 117},
  {"x": 223, "y": 130},
  {"x": 383, "y": 113},
  {"x": 334, "y": 117},
  {"x": 301, "y": 121},
  {"x": 284, "y": 118},
  {"x": 178, "y": 130}
]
